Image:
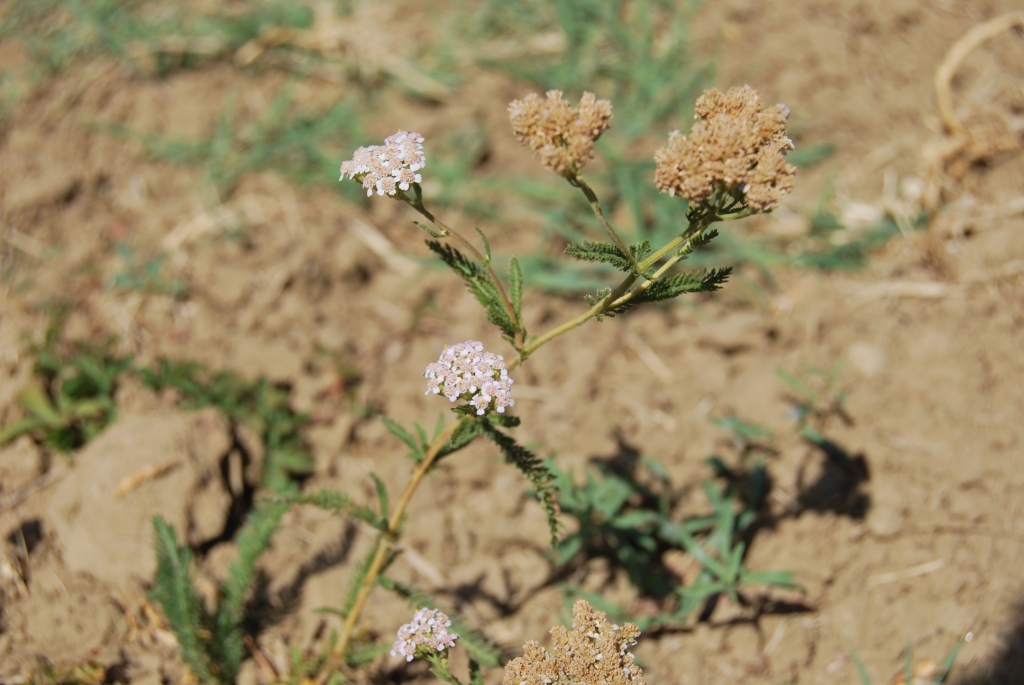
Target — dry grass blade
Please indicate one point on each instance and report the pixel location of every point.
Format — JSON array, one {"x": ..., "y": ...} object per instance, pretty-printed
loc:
[{"x": 955, "y": 57}]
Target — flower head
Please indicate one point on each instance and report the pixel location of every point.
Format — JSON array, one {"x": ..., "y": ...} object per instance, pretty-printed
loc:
[
  {"x": 736, "y": 145},
  {"x": 563, "y": 136},
  {"x": 426, "y": 632},
  {"x": 390, "y": 167},
  {"x": 594, "y": 651},
  {"x": 466, "y": 371}
]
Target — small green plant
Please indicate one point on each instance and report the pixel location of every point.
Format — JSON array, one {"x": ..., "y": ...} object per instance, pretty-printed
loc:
[
  {"x": 732, "y": 165},
  {"x": 210, "y": 641},
  {"x": 257, "y": 403},
  {"x": 71, "y": 398},
  {"x": 625, "y": 514},
  {"x": 478, "y": 383}
]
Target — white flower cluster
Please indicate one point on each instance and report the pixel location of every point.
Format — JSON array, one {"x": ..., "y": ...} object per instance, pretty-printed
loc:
[
  {"x": 428, "y": 628},
  {"x": 465, "y": 371},
  {"x": 389, "y": 167}
]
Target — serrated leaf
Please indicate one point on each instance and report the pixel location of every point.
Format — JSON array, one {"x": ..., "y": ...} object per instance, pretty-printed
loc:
[
  {"x": 434, "y": 233},
  {"x": 464, "y": 434},
  {"x": 607, "y": 253},
  {"x": 673, "y": 286},
  {"x": 479, "y": 285},
  {"x": 382, "y": 495},
  {"x": 174, "y": 592},
  {"x": 542, "y": 479},
  {"x": 227, "y": 646},
  {"x": 487, "y": 246},
  {"x": 399, "y": 432},
  {"x": 338, "y": 502},
  {"x": 515, "y": 279},
  {"x": 506, "y": 420}
]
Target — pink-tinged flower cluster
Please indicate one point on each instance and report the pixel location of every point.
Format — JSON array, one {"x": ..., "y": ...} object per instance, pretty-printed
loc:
[
  {"x": 390, "y": 167},
  {"x": 428, "y": 630},
  {"x": 466, "y": 371}
]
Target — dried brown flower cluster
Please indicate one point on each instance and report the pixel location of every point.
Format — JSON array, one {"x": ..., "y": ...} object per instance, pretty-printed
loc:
[
  {"x": 563, "y": 136},
  {"x": 736, "y": 144},
  {"x": 595, "y": 652}
]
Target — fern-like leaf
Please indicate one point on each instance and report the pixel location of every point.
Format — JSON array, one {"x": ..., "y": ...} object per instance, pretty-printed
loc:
[
  {"x": 338, "y": 502},
  {"x": 534, "y": 469},
  {"x": 431, "y": 231},
  {"x": 382, "y": 496},
  {"x": 697, "y": 241},
  {"x": 405, "y": 436},
  {"x": 466, "y": 433},
  {"x": 479, "y": 284},
  {"x": 515, "y": 283},
  {"x": 176, "y": 595},
  {"x": 608, "y": 253},
  {"x": 674, "y": 286},
  {"x": 229, "y": 650},
  {"x": 487, "y": 246},
  {"x": 506, "y": 420}
]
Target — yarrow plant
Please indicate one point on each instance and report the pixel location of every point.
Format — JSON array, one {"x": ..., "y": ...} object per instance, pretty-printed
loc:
[
  {"x": 730, "y": 165},
  {"x": 736, "y": 150},
  {"x": 467, "y": 372},
  {"x": 562, "y": 135},
  {"x": 424, "y": 636},
  {"x": 390, "y": 167}
]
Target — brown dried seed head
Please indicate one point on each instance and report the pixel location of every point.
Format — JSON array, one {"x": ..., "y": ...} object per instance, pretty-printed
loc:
[
  {"x": 736, "y": 143},
  {"x": 594, "y": 651},
  {"x": 563, "y": 136}
]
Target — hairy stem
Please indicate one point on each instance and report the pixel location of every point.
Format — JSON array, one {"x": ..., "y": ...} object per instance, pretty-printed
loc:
[{"x": 384, "y": 546}]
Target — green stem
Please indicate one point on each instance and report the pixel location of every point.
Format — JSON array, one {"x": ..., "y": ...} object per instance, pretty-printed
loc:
[
  {"x": 622, "y": 294},
  {"x": 586, "y": 316},
  {"x": 596, "y": 206},
  {"x": 383, "y": 548}
]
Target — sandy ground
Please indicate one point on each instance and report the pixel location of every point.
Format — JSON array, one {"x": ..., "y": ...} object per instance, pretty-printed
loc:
[{"x": 920, "y": 545}]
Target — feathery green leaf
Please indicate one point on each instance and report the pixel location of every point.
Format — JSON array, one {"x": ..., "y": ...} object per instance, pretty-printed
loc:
[
  {"x": 487, "y": 246},
  {"x": 515, "y": 281},
  {"x": 333, "y": 500},
  {"x": 607, "y": 253},
  {"x": 227, "y": 646},
  {"x": 542, "y": 479},
  {"x": 674, "y": 286},
  {"x": 382, "y": 495},
  {"x": 479, "y": 284},
  {"x": 405, "y": 436},
  {"x": 431, "y": 231},
  {"x": 176, "y": 595}
]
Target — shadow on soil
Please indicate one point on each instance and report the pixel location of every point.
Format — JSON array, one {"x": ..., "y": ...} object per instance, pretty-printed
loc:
[{"x": 1007, "y": 668}]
